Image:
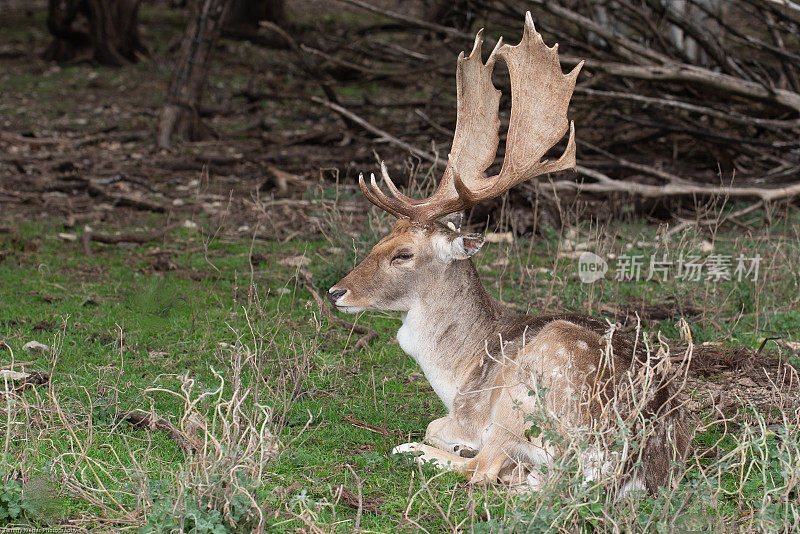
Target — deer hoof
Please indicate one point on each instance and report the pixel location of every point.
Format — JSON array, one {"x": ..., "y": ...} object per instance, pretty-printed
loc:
[
  {"x": 406, "y": 447},
  {"x": 480, "y": 478}
]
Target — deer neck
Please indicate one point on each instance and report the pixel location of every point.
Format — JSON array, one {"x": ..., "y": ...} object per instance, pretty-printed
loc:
[{"x": 446, "y": 329}]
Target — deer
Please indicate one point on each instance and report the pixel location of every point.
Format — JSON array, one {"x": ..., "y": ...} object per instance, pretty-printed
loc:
[{"x": 482, "y": 358}]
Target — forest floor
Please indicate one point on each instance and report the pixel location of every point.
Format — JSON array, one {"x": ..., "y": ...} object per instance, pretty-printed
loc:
[{"x": 194, "y": 374}]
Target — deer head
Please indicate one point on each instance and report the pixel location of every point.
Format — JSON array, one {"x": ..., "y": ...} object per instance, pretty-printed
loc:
[
  {"x": 419, "y": 251},
  {"x": 402, "y": 266}
]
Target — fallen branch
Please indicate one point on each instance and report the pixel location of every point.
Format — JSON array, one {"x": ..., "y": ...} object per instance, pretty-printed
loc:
[
  {"x": 364, "y": 340},
  {"x": 154, "y": 422},
  {"x": 310, "y": 66},
  {"x": 32, "y": 141},
  {"x": 353, "y": 66},
  {"x": 605, "y": 184},
  {"x": 433, "y": 124},
  {"x": 419, "y": 23},
  {"x": 360, "y": 508},
  {"x": 119, "y": 137},
  {"x": 124, "y": 200},
  {"x": 382, "y": 430},
  {"x": 147, "y": 237},
  {"x": 646, "y": 169},
  {"x": 349, "y": 115},
  {"x": 669, "y": 68},
  {"x": 729, "y": 116},
  {"x": 682, "y": 72},
  {"x": 18, "y": 197},
  {"x": 732, "y": 217},
  {"x": 610, "y": 35}
]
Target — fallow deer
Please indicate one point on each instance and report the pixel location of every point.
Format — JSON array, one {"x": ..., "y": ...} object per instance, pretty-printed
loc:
[{"x": 482, "y": 358}]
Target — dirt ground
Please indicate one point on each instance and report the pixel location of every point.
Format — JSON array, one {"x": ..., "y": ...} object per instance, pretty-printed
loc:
[{"x": 77, "y": 140}]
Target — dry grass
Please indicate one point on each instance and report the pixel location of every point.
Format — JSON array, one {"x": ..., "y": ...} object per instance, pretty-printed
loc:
[
  {"x": 228, "y": 433},
  {"x": 256, "y": 430}
]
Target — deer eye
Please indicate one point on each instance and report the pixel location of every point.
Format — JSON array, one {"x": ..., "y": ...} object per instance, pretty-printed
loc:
[{"x": 402, "y": 256}]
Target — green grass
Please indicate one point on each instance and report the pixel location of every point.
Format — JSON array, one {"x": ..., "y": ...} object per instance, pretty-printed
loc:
[
  {"x": 122, "y": 328},
  {"x": 18, "y": 27}
]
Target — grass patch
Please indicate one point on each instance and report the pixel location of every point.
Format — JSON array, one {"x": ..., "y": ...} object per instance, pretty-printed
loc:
[{"x": 288, "y": 429}]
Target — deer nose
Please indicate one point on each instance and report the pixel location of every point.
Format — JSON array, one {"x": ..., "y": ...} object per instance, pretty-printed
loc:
[{"x": 334, "y": 294}]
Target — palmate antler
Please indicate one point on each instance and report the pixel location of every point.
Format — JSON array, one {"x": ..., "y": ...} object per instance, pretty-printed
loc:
[{"x": 540, "y": 95}]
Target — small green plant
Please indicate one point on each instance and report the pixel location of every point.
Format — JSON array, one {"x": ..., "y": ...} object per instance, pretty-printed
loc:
[
  {"x": 203, "y": 514},
  {"x": 231, "y": 439},
  {"x": 13, "y": 505}
]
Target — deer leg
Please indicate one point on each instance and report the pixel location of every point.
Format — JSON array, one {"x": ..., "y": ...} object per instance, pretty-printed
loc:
[
  {"x": 500, "y": 448},
  {"x": 447, "y": 434},
  {"x": 451, "y": 445},
  {"x": 441, "y": 459}
]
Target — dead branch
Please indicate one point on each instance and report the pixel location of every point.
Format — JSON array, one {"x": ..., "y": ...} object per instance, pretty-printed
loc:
[
  {"x": 606, "y": 184},
  {"x": 382, "y": 430},
  {"x": 119, "y": 137},
  {"x": 415, "y": 22},
  {"x": 147, "y": 237},
  {"x": 705, "y": 39},
  {"x": 31, "y": 141},
  {"x": 122, "y": 200},
  {"x": 433, "y": 124},
  {"x": 364, "y": 340},
  {"x": 646, "y": 169},
  {"x": 309, "y": 66},
  {"x": 732, "y": 217},
  {"x": 375, "y": 130},
  {"x": 14, "y": 196},
  {"x": 153, "y": 422},
  {"x": 353, "y": 66},
  {"x": 633, "y": 51},
  {"x": 671, "y": 102},
  {"x": 678, "y": 72}
]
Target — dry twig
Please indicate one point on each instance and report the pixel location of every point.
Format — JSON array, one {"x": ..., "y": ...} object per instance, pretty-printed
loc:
[
  {"x": 154, "y": 422},
  {"x": 147, "y": 237}
]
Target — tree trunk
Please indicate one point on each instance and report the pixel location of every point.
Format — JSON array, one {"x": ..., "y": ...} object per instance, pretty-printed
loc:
[
  {"x": 110, "y": 28},
  {"x": 458, "y": 14},
  {"x": 244, "y": 16},
  {"x": 179, "y": 115}
]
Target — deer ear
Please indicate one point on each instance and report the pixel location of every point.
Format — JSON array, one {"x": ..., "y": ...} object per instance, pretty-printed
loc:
[
  {"x": 465, "y": 246},
  {"x": 461, "y": 247}
]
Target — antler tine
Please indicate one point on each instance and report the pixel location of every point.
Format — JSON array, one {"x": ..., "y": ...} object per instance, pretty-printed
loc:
[
  {"x": 398, "y": 206},
  {"x": 493, "y": 55},
  {"x": 396, "y": 193},
  {"x": 374, "y": 199}
]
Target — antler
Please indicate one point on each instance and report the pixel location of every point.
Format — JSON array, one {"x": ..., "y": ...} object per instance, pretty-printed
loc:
[{"x": 540, "y": 95}]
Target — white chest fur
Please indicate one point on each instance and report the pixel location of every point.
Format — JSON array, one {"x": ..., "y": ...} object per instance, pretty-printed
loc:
[{"x": 416, "y": 339}]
